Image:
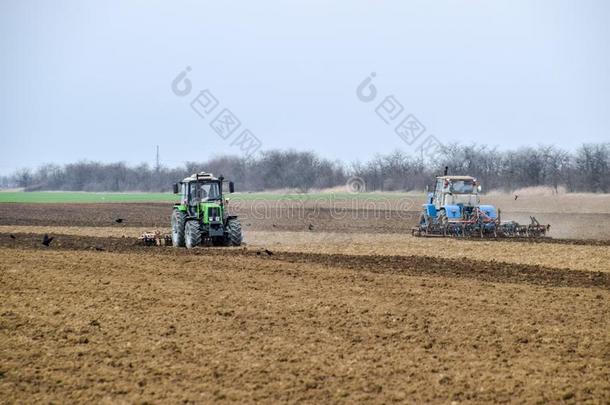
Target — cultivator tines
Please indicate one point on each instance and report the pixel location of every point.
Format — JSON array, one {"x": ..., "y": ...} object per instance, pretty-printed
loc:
[
  {"x": 478, "y": 224},
  {"x": 155, "y": 238},
  {"x": 536, "y": 229}
]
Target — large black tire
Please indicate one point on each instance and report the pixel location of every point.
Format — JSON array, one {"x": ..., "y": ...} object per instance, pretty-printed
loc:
[
  {"x": 178, "y": 219},
  {"x": 234, "y": 232},
  {"x": 192, "y": 233}
]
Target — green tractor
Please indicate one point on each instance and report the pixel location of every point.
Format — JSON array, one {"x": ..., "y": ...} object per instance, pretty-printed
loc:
[{"x": 201, "y": 216}]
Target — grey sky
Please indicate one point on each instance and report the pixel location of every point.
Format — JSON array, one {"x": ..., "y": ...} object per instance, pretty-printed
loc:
[{"x": 92, "y": 81}]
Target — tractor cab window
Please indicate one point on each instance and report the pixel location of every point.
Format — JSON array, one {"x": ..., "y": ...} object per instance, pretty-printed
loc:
[
  {"x": 184, "y": 192},
  {"x": 200, "y": 192},
  {"x": 462, "y": 187},
  {"x": 208, "y": 191}
]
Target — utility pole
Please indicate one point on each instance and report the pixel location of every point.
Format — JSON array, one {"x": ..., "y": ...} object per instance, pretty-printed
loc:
[{"x": 157, "y": 164}]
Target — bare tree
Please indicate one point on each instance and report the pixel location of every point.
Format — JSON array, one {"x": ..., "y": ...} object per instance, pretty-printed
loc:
[{"x": 24, "y": 178}]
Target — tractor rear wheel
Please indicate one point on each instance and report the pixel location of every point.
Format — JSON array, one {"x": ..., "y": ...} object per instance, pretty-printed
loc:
[
  {"x": 234, "y": 232},
  {"x": 178, "y": 219},
  {"x": 192, "y": 234}
]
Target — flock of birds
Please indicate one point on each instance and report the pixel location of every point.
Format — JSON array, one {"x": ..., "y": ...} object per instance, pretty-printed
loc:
[{"x": 47, "y": 240}]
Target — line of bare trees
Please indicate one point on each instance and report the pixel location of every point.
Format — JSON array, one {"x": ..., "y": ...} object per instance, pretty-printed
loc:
[{"x": 585, "y": 169}]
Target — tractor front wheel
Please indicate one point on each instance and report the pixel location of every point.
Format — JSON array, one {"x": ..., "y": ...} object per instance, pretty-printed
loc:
[
  {"x": 234, "y": 232},
  {"x": 192, "y": 234},
  {"x": 178, "y": 219}
]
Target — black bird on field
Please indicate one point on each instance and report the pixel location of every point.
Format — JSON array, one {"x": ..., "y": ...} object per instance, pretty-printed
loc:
[
  {"x": 270, "y": 253},
  {"x": 516, "y": 196},
  {"x": 99, "y": 248},
  {"x": 12, "y": 236},
  {"x": 46, "y": 240},
  {"x": 119, "y": 220},
  {"x": 311, "y": 227}
]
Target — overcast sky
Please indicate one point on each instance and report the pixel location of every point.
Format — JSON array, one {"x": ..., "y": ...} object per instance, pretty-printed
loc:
[{"x": 93, "y": 80}]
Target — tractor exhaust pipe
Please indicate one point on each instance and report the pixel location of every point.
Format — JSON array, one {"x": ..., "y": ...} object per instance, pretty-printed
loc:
[{"x": 446, "y": 170}]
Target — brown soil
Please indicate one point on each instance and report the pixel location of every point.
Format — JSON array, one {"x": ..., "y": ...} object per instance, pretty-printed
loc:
[
  {"x": 209, "y": 326},
  {"x": 484, "y": 270},
  {"x": 343, "y": 317},
  {"x": 147, "y": 215},
  {"x": 593, "y": 257},
  {"x": 368, "y": 217}
]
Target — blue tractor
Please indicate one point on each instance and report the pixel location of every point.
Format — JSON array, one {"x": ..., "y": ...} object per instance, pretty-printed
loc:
[{"x": 454, "y": 209}]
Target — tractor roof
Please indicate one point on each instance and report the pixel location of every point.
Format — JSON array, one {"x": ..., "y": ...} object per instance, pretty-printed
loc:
[
  {"x": 456, "y": 178},
  {"x": 199, "y": 176}
]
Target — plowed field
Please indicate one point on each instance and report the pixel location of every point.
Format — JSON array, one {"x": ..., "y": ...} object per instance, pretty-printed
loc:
[{"x": 349, "y": 311}]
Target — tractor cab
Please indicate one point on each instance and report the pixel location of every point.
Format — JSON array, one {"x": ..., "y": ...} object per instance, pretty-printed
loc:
[
  {"x": 201, "y": 190},
  {"x": 460, "y": 191}
]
